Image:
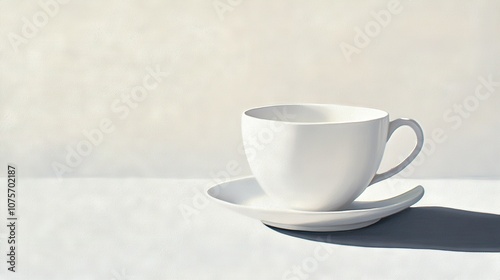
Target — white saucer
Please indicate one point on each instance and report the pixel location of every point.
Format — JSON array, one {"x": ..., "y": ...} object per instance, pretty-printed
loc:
[{"x": 246, "y": 197}]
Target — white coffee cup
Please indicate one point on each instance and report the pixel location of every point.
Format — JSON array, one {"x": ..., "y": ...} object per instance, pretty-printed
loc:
[{"x": 319, "y": 157}]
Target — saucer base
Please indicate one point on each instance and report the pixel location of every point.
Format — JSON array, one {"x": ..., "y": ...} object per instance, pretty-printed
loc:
[
  {"x": 323, "y": 228},
  {"x": 245, "y": 196}
]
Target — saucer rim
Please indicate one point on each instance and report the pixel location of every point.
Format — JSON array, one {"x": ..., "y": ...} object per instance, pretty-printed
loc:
[{"x": 419, "y": 190}]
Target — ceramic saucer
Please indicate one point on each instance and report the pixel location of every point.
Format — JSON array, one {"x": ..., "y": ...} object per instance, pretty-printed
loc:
[{"x": 246, "y": 197}]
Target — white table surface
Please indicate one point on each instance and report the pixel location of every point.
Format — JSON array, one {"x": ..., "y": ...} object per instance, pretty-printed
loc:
[{"x": 128, "y": 229}]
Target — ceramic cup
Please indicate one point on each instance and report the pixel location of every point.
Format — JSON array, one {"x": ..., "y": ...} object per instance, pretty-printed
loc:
[{"x": 319, "y": 157}]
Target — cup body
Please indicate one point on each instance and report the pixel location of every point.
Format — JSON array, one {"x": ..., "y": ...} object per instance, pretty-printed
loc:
[{"x": 316, "y": 157}]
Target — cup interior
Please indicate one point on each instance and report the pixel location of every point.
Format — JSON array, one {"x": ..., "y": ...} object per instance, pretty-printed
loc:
[{"x": 316, "y": 113}]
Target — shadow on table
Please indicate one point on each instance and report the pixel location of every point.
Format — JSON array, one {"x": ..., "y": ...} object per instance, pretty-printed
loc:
[{"x": 420, "y": 228}]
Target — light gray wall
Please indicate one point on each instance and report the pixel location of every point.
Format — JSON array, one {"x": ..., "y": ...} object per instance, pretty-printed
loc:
[{"x": 67, "y": 76}]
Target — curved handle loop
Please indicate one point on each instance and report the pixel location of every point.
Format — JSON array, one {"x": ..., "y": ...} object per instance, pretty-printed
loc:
[{"x": 393, "y": 125}]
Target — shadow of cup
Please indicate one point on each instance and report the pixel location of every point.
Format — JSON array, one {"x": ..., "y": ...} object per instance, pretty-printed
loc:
[{"x": 435, "y": 228}]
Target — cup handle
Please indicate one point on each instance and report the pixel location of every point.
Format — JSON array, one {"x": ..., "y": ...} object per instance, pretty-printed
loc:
[{"x": 393, "y": 125}]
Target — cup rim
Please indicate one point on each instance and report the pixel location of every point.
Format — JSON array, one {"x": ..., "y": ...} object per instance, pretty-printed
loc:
[{"x": 383, "y": 114}]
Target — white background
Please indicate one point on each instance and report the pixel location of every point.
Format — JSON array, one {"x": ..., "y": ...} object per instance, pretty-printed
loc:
[
  {"x": 64, "y": 78},
  {"x": 63, "y": 66}
]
